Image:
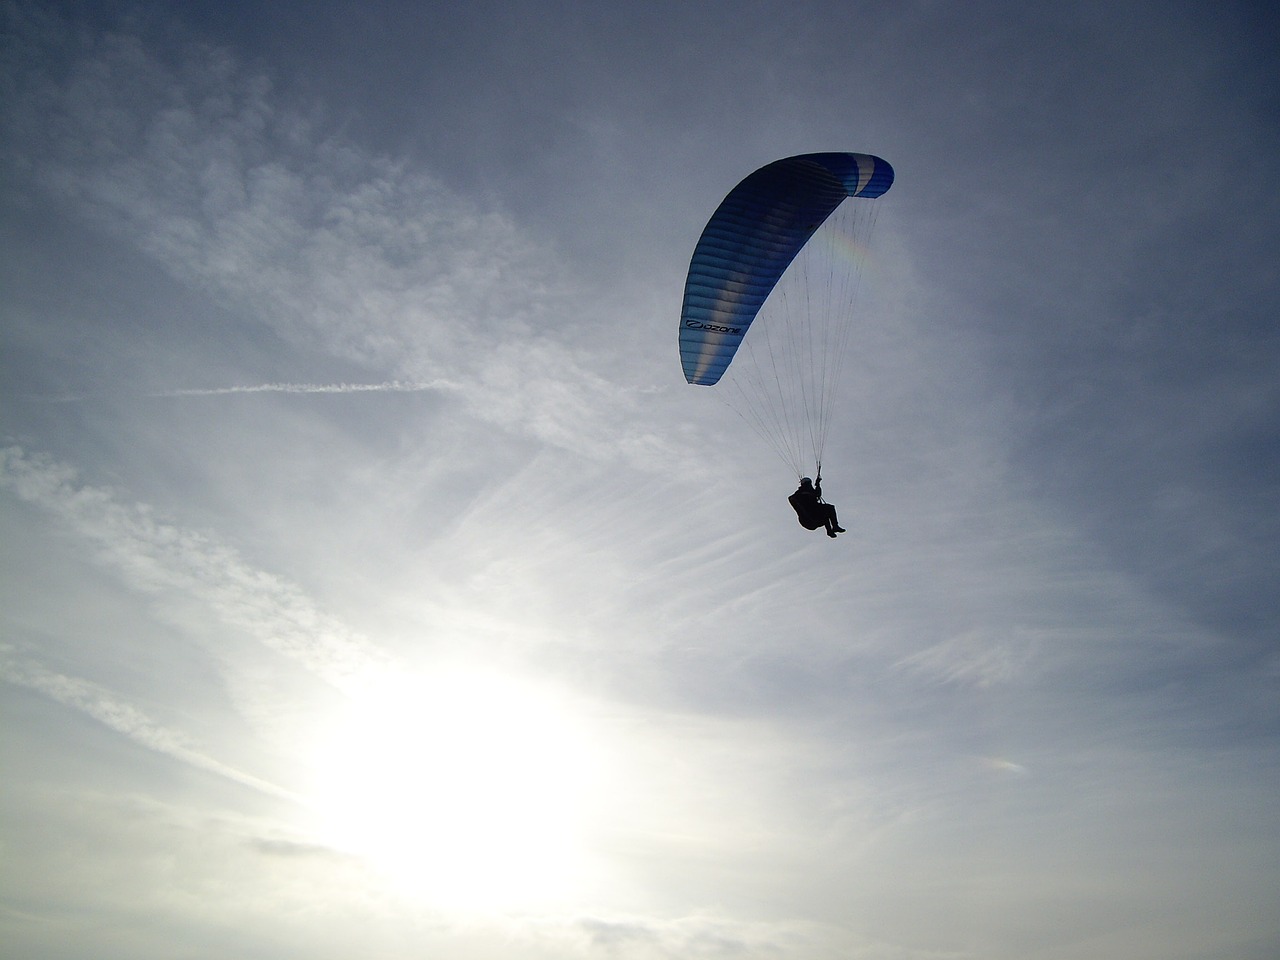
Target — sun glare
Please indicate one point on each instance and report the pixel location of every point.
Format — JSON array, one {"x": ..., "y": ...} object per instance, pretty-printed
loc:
[{"x": 465, "y": 788}]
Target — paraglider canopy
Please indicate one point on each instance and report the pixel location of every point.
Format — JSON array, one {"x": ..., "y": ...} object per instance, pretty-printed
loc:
[
  {"x": 742, "y": 274},
  {"x": 750, "y": 241}
]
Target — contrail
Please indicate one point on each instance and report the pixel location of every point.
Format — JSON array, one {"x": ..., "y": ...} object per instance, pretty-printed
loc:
[{"x": 391, "y": 386}]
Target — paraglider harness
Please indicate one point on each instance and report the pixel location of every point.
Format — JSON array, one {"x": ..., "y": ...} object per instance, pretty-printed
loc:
[
  {"x": 813, "y": 512},
  {"x": 805, "y": 502}
]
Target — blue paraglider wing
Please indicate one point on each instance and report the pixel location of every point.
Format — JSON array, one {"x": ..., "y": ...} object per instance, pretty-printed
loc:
[{"x": 750, "y": 241}]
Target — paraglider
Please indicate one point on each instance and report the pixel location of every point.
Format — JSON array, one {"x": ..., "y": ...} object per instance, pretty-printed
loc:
[
  {"x": 811, "y": 510},
  {"x": 800, "y": 320}
]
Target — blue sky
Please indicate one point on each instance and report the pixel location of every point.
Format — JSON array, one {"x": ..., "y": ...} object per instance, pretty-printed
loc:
[{"x": 374, "y": 584}]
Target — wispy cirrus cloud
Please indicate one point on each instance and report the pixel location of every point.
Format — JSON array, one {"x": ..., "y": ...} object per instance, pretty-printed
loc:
[
  {"x": 117, "y": 714},
  {"x": 239, "y": 193},
  {"x": 152, "y": 556},
  {"x": 973, "y": 658}
]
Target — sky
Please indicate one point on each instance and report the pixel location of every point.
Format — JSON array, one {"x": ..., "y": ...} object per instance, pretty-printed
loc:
[{"x": 374, "y": 584}]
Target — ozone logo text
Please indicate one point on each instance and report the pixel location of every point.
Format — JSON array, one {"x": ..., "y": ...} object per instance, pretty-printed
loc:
[{"x": 713, "y": 327}]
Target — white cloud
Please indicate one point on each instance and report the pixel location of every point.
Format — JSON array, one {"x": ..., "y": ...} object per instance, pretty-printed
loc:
[
  {"x": 111, "y": 711},
  {"x": 239, "y": 193},
  {"x": 974, "y": 657},
  {"x": 155, "y": 556}
]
